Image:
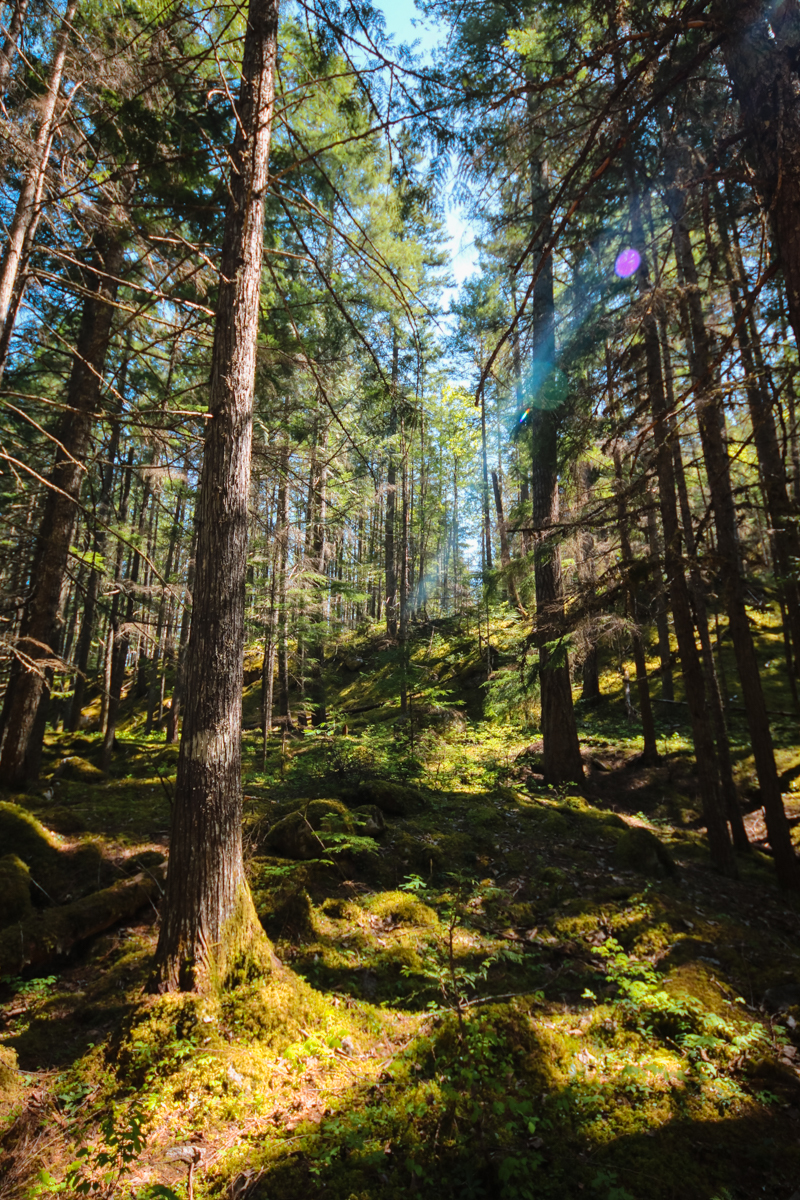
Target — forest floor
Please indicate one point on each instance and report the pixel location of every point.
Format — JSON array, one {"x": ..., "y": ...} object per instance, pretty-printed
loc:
[{"x": 491, "y": 988}]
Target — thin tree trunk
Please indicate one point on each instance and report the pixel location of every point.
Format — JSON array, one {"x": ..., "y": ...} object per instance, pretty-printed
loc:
[
  {"x": 715, "y": 453},
  {"x": 561, "y": 751},
  {"x": 11, "y": 41},
  {"x": 40, "y": 631},
  {"x": 31, "y": 190},
  {"x": 705, "y": 752},
  {"x": 209, "y": 925}
]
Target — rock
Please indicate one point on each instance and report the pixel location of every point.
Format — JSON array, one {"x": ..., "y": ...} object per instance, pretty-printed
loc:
[
  {"x": 369, "y": 820},
  {"x": 396, "y": 799},
  {"x": 15, "y": 890},
  {"x": 301, "y": 834},
  {"x": 640, "y": 850},
  {"x": 353, "y": 662}
]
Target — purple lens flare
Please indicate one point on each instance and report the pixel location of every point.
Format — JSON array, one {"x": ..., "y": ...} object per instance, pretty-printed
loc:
[{"x": 628, "y": 262}]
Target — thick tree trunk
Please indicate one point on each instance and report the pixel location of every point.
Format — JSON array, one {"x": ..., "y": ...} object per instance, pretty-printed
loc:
[
  {"x": 210, "y": 931},
  {"x": 41, "y": 625},
  {"x": 662, "y": 620},
  {"x": 715, "y": 453}
]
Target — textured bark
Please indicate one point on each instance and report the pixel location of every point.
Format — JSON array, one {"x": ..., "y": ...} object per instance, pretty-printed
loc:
[
  {"x": 41, "y": 625},
  {"x": 715, "y": 453},
  {"x": 210, "y": 931}
]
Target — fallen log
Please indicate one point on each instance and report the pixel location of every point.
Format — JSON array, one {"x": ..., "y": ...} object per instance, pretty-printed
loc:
[{"x": 53, "y": 932}]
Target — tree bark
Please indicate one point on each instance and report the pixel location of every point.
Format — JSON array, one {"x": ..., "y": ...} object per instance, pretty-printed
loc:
[
  {"x": 210, "y": 932},
  {"x": 11, "y": 41},
  {"x": 41, "y": 625},
  {"x": 561, "y": 751}
]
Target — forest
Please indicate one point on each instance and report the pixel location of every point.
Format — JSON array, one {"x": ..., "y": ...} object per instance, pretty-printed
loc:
[{"x": 400, "y": 659}]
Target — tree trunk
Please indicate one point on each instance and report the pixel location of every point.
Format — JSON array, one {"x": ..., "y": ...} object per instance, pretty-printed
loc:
[
  {"x": 390, "y": 563},
  {"x": 210, "y": 931},
  {"x": 561, "y": 751},
  {"x": 715, "y": 453},
  {"x": 705, "y": 754},
  {"x": 41, "y": 626},
  {"x": 650, "y": 754},
  {"x": 761, "y": 68},
  {"x": 11, "y": 42},
  {"x": 30, "y": 192},
  {"x": 662, "y": 620}
]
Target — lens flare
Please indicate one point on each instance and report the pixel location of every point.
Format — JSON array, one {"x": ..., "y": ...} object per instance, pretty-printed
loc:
[
  {"x": 524, "y": 415},
  {"x": 628, "y": 262}
]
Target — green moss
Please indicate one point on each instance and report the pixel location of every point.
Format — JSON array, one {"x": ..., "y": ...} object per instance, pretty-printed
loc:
[
  {"x": 401, "y": 908},
  {"x": 640, "y": 850},
  {"x": 301, "y": 834},
  {"x": 9, "y": 1077},
  {"x": 395, "y": 799},
  {"x": 15, "y": 890},
  {"x": 78, "y": 770}
]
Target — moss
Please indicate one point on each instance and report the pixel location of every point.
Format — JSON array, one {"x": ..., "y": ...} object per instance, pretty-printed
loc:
[
  {"x": 640, "y": 850},
  {"x": 65, "y": 873},
  {"x": 9, "y": 1076},
  {"x": 402, "y": 909},
  {"x": 301, "y": 834},
  {"x": 15, "y": 890},
  {"x": 22, "y": 834},
  {"x": 395, "y": 799},
  {"x": 78, "y": 770}
]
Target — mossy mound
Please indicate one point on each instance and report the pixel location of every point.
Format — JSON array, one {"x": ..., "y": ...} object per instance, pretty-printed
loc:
[
  {"x": 399, "y": 908},
  {"x": 395, "y": 799},
  {"x": 640, "y": 850},
  {"x": 65, "y": 820},
  {"x": 370, "y": 820},
  {"x": 9, "y": 1077},
  {"x": 79, "y": 770},
  {"x": 15, "y": 890},
  {"x": 22, "y": 834},
  {"x": 66, "y": 874},
  {"x": 301, "y": 834}
]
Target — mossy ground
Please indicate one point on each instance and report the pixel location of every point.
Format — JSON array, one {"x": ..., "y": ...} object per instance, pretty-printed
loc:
[{"x": 505, "y": 994}]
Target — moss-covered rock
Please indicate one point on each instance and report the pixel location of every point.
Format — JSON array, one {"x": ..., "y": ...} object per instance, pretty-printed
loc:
[
  {"x": 79, "y": 770},
  {"x": 395, "y": 799},
  {"x": 369, "y": 820},
  {"x": 22, "y": 834},
  {"x": 640, "y": 850},
  {"x": 301, "y": 834},
  {"x": 15, "y": 890}
]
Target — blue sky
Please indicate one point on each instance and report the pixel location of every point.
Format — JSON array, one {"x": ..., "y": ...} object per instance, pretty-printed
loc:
[{"x": 400, "y": 15}]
